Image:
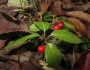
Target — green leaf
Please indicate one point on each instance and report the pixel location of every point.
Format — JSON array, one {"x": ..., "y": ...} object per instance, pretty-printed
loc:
[
  {"x": 42, "y": 25},
  {"x": 52, "y": 55},
  {"x": 68, "y": 25},
  {"x": 34, "y": 28},
  {"x": 66, "y": 36},
  {"x": 21, "y": 40},
  {"x": 47, "y": 16},
  {"x": 62, "y": 18},
  {"x": 84, "y": 46}
]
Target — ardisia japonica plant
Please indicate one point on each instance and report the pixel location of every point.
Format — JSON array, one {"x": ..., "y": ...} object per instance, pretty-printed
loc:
[{"x": 44, "y": 33}]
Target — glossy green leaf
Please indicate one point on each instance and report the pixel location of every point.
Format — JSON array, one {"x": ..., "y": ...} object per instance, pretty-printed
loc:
[
  {"x": 34, "y": 28},
  {"x": 47, "y": 16},
  {"x": 68, "y": 25},
  {"x": 21, "y": 40},
  {"x": 42, "y": 25},
  {"x": 52, "y": 55},
  {"x": 62, "y": 18},
  {"x": 66, "y": 36}
]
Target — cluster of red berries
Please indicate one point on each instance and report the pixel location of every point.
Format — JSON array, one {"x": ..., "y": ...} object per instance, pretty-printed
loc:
[
  {"x": 58, "y": 26},
  {"x": 41, "y": 49}
]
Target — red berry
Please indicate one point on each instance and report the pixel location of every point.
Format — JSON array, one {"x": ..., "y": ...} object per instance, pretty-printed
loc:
[
  {"x": 41, "y": 49},
  {"x": 56, "y": 27},
  {"x": 60, "y": 24}
]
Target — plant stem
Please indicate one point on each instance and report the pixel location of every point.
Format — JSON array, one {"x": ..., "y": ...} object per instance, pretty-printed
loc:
[
  {"x": 44, "y": 35},
  {"x": 21, "y": 5},
  {"x": 45, "y": 40}
]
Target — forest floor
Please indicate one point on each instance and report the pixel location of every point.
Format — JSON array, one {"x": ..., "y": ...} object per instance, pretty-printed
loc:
[{"x": 15, "y": 19}]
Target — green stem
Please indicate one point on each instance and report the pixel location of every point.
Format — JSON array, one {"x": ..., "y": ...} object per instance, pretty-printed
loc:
[
  {"x": 21, "y": 3},
  {"x": 44, "y": 35}
]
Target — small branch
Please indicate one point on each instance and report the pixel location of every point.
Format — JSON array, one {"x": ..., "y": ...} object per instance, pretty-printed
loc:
[{"x": 46, "y": 39}]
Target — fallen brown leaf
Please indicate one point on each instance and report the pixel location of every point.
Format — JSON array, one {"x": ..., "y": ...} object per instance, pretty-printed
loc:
[
  {"x": 56, "y": 8},
  {"x": 78, "y": 8},
  {"x": 78, "y": 3},
  {"x": 87, "y": 64},
  {"x": 9, "y": 10},
  {"x": 86, "y": 6},
  {"x": 85, "y": 61},
  {"x": 10, "y": 24},
  {"x": 80, "y": 27},
  {"x": 4, "y": 65},
  {"x": 68, "y": 6},
  {"x": 2, "y": 1},
  {"x": 88, "y": 10},
  {"x": 26, "y": 66},
  {"x": 6, "y": 62},
  {"x": 80, "y": 15},
  {"x": 44, "y": 6}
]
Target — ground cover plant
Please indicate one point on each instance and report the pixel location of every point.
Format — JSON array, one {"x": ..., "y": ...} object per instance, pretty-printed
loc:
[{"x": 44, "y": 35}]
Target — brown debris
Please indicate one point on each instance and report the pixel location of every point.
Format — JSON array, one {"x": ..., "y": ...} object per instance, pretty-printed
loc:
[
  {"x": 26, "y": 66},
  {"x": 2, "y": 1},
  {"x": 78, "y": 25},
  {"x": 80, "y": 15},
  {"x": 56, "y": 8},
  {"x": 11, "y": 24},
  {"x": 84, "y": 61},
  {"x": 44, "y": 6},
  {"x": 9, "y": 10}
]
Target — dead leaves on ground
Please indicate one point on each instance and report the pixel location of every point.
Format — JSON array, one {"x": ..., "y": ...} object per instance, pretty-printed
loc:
[
  {"x": 2, "y": 1},
  {"x": 75, "y": 12},
  {"x": 56, "y": 8},
  {"x": 10, "y": 24},
  {"x": 78, "y": 25},
  {"x": 80, "y": 15},
  {"x": 85, "y": 61},
  {"x": 25, "y": 66},
  {"x": 81, "y": 22},
  {"x": 45, "y": 6}
]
